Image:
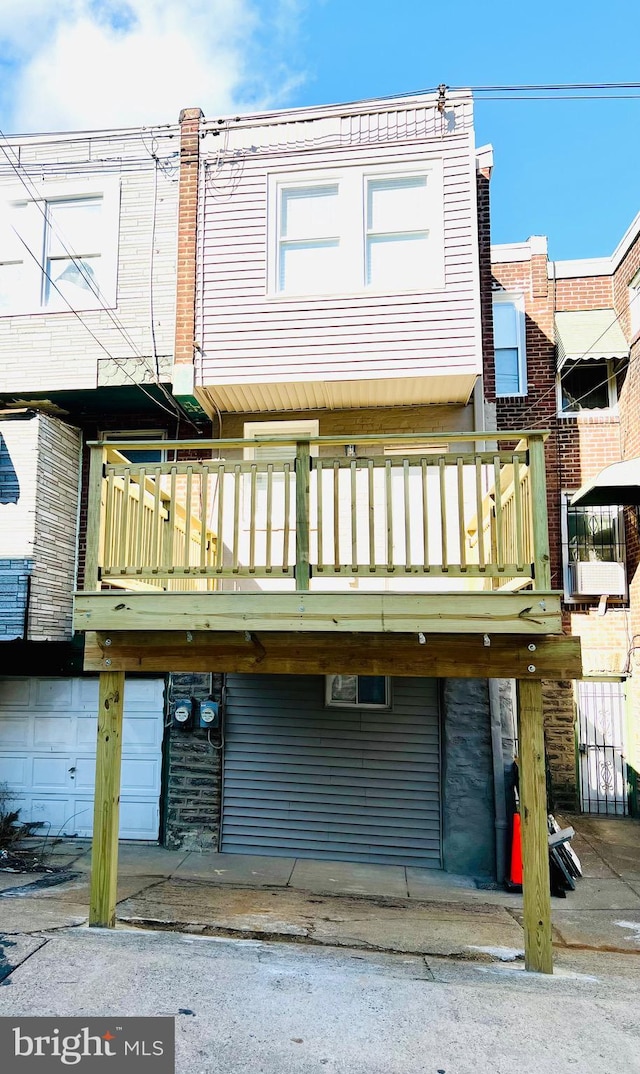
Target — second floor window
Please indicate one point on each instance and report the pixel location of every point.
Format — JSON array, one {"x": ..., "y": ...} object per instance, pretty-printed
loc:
[
  {"x": 355, "y": 231},
  {"x": 587, "y": 385},
  {"x": 58, "y": 252},
  {"x": 509, "y": 344}
]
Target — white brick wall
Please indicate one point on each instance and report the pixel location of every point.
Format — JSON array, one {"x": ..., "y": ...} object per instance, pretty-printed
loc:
[{"x": 46, "y": 352}]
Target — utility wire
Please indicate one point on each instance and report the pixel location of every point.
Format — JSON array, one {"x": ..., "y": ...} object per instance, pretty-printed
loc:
[
  {"x": 34, "y": 195},
  {"x": 552, "y": 390},
  {"x": 86, "y": 326}
]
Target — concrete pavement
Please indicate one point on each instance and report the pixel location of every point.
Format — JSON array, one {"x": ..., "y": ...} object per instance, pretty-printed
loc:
[
  {"x": 248, "y": 1006},
  {"x": 377, "y": 908}
]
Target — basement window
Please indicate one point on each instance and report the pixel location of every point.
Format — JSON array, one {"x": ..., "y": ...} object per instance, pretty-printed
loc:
[{"x": 358, "y": 691}]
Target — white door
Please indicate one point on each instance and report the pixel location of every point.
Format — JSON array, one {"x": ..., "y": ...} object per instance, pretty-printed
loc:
[{"x": 48, "y": 751}]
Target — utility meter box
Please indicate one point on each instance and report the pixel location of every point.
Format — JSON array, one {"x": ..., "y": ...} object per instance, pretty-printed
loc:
[
  {"x": 183, "y": 713},
  {"x": 209, "y": 714}
]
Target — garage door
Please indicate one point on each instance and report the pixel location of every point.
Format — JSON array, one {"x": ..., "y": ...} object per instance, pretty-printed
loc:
[
  {"x": 48, "y": 749},
  {"x": 342, "y": 784}
]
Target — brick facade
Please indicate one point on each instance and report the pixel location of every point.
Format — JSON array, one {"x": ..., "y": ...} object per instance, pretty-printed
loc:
[{"x": 578, "y": 448}]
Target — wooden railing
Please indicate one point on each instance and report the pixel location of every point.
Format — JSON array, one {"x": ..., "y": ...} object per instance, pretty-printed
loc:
[{"x": 437, "y": 511}]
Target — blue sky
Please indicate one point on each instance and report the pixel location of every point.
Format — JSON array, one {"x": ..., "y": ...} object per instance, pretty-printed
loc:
[{"x": 567, "y": 169}]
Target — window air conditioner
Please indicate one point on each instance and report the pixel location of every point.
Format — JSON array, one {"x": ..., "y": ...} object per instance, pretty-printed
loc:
[{"x": 597, "y": 578}]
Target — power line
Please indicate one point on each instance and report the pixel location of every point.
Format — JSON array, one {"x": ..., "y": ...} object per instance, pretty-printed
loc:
[
  {"x": 177, "y": 410},
  {"x": 585, "y": 354}
]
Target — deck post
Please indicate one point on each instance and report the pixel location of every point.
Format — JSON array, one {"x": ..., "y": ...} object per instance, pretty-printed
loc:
[
  {"x": 95, "y": 523},
  {"x": 539, "y": 515},
  {"x": 106, "y": 812},
  {"x": 535, "y": 843},
  {"x": 303, "y": 480}
]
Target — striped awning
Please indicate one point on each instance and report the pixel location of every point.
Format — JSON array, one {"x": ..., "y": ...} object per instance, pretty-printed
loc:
[{"x": 589, "y": 334}]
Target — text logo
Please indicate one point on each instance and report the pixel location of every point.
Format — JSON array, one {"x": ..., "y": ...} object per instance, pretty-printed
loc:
[{"x": 122, "y": 1045}]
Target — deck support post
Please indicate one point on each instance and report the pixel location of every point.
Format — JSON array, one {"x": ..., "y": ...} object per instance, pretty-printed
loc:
[
  {"x": 535, "y": 843},
  {"x": 106, "y": 812}
]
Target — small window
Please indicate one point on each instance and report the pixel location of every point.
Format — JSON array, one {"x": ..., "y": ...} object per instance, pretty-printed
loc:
[
  {"x": 509, "y": 344},
  {"x": 59, "y": 249},
  {"x": 588, "y": 384},
  {"x": 593, "y": 550},
  {"x": 358, "y": 691},
  {"x": 139, "y": 456},
  {"x": 634, "y": 305},
  {"x": 74, "y": 240}
]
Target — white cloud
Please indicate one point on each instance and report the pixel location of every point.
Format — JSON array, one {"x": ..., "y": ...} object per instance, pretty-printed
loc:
[{"x": 104, "y": 63}]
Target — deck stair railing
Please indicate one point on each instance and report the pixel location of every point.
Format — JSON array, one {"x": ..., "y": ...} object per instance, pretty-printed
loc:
[{"x": 456, "y": 511}]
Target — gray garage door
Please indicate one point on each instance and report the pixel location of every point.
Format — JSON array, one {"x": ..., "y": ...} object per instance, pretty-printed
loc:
[{"x": 343, "y": 784}]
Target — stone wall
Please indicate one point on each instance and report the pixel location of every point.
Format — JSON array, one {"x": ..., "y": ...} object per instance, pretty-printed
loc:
[
  {"x": 560, "y": 743},
  {"x": 468, "y": 811},
  {"x": 193, "y": 772}
]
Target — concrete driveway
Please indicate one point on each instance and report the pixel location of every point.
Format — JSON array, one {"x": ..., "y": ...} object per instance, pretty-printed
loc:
[{"x": 377, "y": 908}]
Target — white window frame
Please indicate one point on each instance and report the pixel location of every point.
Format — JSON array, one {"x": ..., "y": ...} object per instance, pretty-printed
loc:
[
  {"x": 516, "y": 299},
  {"x": 634, "y": 304},
  {"x": 352, "y": 195},
  {"x": 286, "y": 429},
  {"x": 136, "y": 434},
  {"x": 35, "y": 231},
  {"x": 608, "y": 367},
  {"x": 330, "y": 702}
]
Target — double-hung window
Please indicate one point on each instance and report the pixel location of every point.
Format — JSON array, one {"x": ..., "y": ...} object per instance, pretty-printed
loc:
[
  {"x": 356, "y": 230},
  {"x": 58, "y": 249},
  {"x": 509, "y": 344}
]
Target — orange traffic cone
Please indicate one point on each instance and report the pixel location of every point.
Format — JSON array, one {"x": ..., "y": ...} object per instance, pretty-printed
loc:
[{"x": 515, "y": 873}]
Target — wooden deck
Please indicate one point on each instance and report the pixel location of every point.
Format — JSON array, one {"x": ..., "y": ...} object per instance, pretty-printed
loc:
[{"x": 407, "y": 533}]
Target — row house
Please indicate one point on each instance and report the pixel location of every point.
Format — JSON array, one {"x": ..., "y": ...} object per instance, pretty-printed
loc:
[
  {"x": 565, "y": 345},
  {"x": 320, "y": 547},
  {"x": 88, "y": 236}
]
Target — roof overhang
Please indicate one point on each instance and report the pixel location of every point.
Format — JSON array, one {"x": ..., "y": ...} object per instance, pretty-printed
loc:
[
  {"x": 616, "y": 484},
  {"x": 589, "y": 335}
]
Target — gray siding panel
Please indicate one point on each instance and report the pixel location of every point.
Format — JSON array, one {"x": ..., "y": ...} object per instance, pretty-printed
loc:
[{"x": 342, "y": 784}]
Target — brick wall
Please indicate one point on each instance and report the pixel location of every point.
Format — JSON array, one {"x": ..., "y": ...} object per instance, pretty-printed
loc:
[
  {"x": 187, "y": 235},
  {"x": 577, "y": 449},
  {"x": 559, "y": 737}
]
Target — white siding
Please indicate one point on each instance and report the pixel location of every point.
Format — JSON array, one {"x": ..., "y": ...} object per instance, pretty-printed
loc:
[
  {"x": 248, "y": 338},
  {"x": 55, "y": 351}
]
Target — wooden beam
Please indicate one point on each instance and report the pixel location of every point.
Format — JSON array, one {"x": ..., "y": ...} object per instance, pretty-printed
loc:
[
  {"x": 106, "y": 811},
  {"x": 480, "y": 612},
  {"x": 441, "y": 655},
  {"x": 535, "y": 843}
]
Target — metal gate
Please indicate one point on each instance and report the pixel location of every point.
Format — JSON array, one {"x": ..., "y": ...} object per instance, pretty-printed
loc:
[{"x": 603, "y": 768}]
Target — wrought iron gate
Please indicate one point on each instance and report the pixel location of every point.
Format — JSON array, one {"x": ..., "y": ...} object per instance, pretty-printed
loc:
[{"x": 603, "y": 769}]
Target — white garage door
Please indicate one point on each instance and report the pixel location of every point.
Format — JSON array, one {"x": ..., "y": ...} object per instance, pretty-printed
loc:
[{"x": 48, "y": 750}]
